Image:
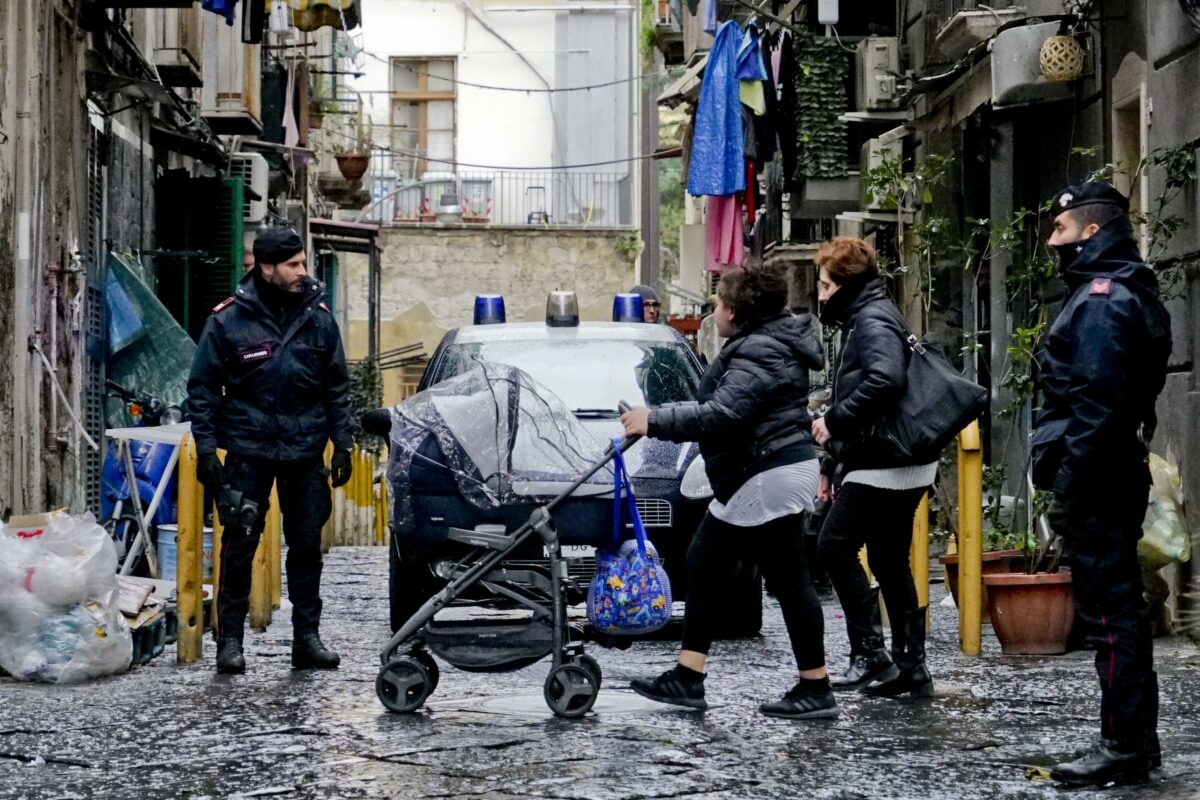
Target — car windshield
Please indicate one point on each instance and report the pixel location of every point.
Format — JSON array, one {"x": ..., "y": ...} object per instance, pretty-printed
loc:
[{"x": 589, "y": 376}]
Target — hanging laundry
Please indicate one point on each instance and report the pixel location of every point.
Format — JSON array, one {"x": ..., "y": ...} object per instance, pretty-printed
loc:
[
  {"x": 724, "y": 244},
  {"x": 226, "y": 8},
  {"x": 785, "y": 125},
  {"x": 751, "y": 72},
  {"x": 708, "y": 16},
  {"x": 716, "y": 166},
  {"x": 751, "y": 192}
]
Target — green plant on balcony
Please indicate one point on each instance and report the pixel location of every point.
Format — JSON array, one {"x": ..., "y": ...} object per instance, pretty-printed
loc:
[{"x": 822, "y": 68}]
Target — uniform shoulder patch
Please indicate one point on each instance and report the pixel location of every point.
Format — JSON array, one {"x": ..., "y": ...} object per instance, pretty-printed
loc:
[
  {"x": 1100, "y": 287},
  {"x": 223, "y": 304},
  {"x": 324, "y": 308}
]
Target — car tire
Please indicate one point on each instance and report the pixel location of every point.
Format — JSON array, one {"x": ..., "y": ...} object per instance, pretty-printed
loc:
[
  {"x": 742, "y": 617},
  {"x": 410, "y": 583}
]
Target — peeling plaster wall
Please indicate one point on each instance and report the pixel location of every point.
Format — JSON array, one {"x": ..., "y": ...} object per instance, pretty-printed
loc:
[{"x": 430, "y": 278}]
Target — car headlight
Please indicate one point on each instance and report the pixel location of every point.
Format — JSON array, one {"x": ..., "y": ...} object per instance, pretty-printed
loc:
[{"x": 695, "y": 485}]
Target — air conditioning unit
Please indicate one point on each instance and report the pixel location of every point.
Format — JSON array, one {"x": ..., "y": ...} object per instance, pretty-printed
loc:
[
  {"x": 252, "y": 169},
  {"x": 888, "y": 147},
  {"x": 878, "y": 65},
  {"x": 1017, "y": 78}
]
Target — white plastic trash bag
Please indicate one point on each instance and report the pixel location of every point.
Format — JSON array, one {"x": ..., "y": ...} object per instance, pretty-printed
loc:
[
  {"x": 59, "y": 618},
  {"x": 1165, "y": 535}
]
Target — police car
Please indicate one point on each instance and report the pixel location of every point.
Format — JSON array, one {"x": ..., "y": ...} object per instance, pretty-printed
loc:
[{"x": 591, "y": 367}]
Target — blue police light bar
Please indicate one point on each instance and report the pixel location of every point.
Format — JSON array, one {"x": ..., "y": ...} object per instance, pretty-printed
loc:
[
  {"x": 489, "y": 309},
  {"x": 628, "y": 308}
]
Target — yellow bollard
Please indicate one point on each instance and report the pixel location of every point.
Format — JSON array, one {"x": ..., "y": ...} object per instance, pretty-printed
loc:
[
  {"x": 327, "y": 531},
  {"x": 918, "y": 555},
  {"x": 274, "y": 553},
  {"x": 970, "y": 539},
  {"x": 260, "y": 580},
  {"x": 218, "y": 532},
  {"x": 190, "y": 643},
  {"x": 365, "y": 529}
]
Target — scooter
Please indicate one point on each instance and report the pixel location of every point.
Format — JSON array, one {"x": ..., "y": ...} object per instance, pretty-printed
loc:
[{"x": 150, "y": 463}]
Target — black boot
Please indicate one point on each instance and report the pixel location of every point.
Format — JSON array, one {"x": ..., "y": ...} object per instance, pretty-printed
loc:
[
  {"x": 908, "y": 675},
  {"x": 230, "y": 660},
  {"x": 675, "y": 687},
  {"x": 1153, "y": 746},
  {"x": 868, "y": 657},
  {"x": 309, "y": 653},
  {"x": 1109, "y": 761}
]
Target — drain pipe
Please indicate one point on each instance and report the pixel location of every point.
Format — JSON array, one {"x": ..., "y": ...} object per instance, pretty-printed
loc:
[{"x": 54, "y": 442}]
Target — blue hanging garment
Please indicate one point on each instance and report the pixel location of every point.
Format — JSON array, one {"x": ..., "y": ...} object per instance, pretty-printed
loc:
[
  {"x": 717, "y": 167},
  {"x": 226, "y": 8},
  {"x": 630, "y": 593}
]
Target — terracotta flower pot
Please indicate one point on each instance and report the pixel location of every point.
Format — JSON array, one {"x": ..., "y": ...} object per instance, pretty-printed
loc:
[
  {"x": 315, "y": 120},
  {"x": 1031, "y": 614},
  {"x": 994, "y": 562},
  {"x": 352, "y": 165}
]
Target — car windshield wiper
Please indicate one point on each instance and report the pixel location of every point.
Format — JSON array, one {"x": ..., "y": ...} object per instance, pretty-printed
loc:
[{"x": 596, "y": 413}]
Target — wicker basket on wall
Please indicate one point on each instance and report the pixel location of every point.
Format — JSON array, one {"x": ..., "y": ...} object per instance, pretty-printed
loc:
[{"x": 1062, "y": 58}]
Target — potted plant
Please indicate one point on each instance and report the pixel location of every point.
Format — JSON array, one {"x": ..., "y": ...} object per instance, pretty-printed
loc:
[
  {"x": 427, "y": 214},
  {"x": 353, "y": 157},
  {"x": 1004, "y": 547},
  {"x": 1032, "y": 610}
]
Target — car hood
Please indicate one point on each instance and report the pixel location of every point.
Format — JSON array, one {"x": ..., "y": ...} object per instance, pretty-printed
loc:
[{"x": 648, "y": 459}]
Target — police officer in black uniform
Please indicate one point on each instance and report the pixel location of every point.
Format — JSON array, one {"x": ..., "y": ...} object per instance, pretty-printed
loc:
[
  {"x": 1102, "y": 367},
  {"x": 269, "y": 385}
]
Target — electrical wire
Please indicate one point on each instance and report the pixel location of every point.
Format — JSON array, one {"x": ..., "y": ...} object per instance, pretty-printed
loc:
[
  {"x": 562, "y": 90},
  {"x": 426, "y": 157}
]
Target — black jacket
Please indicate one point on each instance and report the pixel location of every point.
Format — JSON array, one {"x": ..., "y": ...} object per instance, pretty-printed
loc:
[
  {"x": 751, "y": 409},
  {"x": 870, "y": 375},
  {"x": 270, "y": 384},
  {"x": 1102, "y": 367}
]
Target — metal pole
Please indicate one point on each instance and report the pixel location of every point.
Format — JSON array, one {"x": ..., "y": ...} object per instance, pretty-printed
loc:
[
  {"x": 189, "y": 646},
  {"x": 274, "y": 555},
  {"x": 970, "y": 539}
]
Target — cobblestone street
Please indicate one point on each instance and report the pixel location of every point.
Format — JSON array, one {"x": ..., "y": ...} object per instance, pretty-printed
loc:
[{"x": 165, "y": 731}]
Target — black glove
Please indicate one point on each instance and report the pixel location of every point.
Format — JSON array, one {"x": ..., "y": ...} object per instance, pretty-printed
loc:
[
  {"x": 209, "y": 471},
  {"x": 1058, "y": 515},
  {"x": 340, "y": 467}
]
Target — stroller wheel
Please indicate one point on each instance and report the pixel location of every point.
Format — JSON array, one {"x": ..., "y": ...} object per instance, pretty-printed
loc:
[
  {"x": 592, "y": 666},
  {"x": 404, "y": 684},
  {"x": 571, "y": 690},
  {"x": 431, "y": 667}
]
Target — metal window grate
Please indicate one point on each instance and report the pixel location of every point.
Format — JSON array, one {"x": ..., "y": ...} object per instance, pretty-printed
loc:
[
  {"x": 656, "y": 513},
  {"x": 95, "y": 321}
]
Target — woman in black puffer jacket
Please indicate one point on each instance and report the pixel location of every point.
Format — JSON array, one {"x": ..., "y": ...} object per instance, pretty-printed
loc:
[
  {"x": 877, "y": 497},
  {"x": 751, "y": 420}
]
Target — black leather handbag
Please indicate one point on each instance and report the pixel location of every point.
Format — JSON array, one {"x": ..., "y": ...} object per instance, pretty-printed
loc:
[{"x": 938, "y": 403}]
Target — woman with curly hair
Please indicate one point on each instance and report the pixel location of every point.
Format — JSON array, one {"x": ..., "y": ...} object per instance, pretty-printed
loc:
[{"x": 750, "y": 417}]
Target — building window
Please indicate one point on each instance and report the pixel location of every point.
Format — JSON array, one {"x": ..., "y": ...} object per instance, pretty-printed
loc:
[{"x": 422, "y": 116}]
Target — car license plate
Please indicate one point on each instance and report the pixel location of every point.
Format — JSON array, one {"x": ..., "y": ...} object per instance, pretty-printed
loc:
[{"x": 573, "y": 551}]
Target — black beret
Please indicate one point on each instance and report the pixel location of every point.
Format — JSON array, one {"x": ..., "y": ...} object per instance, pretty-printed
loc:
[
  {"x": 276, "y": 245},
  {"x": 1089, "y": 193},
  {"x": 645, "y": 292}
]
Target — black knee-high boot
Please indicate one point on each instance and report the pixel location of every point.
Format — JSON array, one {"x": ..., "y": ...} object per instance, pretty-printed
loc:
[
  {"x": 868, "y": 657},
  {"x": 908, "y": 675}
]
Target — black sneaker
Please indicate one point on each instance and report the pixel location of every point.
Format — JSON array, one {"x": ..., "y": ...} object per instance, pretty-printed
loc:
[
  {"x": 672, "y": 689},
  {"x": 1107, "y": 762},
  {"x": 800, "y": 703}
]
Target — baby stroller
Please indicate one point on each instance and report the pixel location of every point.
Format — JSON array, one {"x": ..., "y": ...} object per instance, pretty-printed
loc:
[{"x": 409, "y": 672}]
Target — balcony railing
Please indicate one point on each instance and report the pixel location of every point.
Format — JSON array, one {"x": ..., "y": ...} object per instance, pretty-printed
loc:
[{"x": 558, "y": 199}]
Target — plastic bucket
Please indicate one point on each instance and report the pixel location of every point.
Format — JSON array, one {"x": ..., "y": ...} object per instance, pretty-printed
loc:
[{"x": 168, "y": 550}]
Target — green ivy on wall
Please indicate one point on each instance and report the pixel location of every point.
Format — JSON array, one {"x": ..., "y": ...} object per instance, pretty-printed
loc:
[{"x": 822, "y": 67}]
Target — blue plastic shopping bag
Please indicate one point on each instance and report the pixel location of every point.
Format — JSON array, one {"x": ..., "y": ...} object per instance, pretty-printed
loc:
[{"x": 630, "y": 593}]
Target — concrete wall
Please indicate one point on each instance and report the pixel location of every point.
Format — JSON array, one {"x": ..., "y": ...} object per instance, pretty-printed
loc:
[{"x": 430, "y": 279}]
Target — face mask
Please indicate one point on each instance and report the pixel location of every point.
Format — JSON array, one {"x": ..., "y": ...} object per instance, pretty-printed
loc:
[{"x": 1067, "y": 253}]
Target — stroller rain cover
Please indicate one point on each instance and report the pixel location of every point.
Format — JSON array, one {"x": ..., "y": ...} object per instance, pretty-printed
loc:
[{"x": 505, "y": 438}]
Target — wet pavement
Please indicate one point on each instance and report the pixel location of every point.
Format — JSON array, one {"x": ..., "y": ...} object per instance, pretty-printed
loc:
[{"x": 171, "y": 731}]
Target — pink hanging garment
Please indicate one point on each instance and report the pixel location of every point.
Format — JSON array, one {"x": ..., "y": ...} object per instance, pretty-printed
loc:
[{"x": 723, "y": 245}]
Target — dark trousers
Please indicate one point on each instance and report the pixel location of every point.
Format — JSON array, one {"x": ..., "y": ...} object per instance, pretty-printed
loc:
[
  {"x": 1102, "y": 533},
  {"x": 304, "y": 500},
  {"x": 881, "y": 519},
  {"x": 778, "y": 549}
]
